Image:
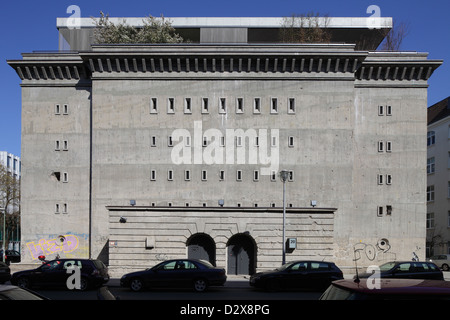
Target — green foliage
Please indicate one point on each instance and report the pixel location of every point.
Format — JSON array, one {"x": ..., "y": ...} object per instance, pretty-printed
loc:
[{"x": 154, "y": 30}]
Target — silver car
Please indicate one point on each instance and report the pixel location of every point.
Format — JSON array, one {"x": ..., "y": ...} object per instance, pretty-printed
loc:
[{"x": 442, "y": 261}]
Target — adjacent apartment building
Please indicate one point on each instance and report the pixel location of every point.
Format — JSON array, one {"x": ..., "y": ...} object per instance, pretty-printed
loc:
[
  {"x": 438, "y": 178},
  {"x": 138, "y": 153}
]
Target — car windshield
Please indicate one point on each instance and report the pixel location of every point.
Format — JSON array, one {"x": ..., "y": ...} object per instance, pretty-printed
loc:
[{"x": 387, "y": 266}]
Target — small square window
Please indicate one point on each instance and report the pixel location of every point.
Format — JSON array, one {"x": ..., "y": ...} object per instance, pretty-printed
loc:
[
  {"x": 239, "y": 105},
  {"x": 170, "y": 105},
  {"x": 239, "y": 175},
  {"x": 205, "y": 105},
  {"x": 257, "y": 105},
  {"x": 222, "y": 105},
  {"x": 187, "y": 105},
  {"x": 291, "y": 105},
  {"x": 274, "y": 105},
  {"x": 153, "y": 105}
]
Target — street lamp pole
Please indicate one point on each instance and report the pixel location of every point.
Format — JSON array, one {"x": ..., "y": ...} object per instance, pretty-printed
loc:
[
  {"x": 284, "y": 175},
  {"x": 4, "y": 234}
]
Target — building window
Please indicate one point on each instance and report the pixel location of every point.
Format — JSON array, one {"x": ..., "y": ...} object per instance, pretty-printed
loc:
[
  {"x": 388, "y": 110},
  {"x": 291, "y": 106},
  {"x": 57, "y": 208},
  {"x": 257, "y": 105},
  {"x": 153, "y": 141},
  {"x": 430, "y": 193},
  {"x": 239, "y": 105},
  {"x": 153, "y": 175},
  {"x": 380, "y": 211},
  {"x": 274, "y": 105},
  {"x": 222, "y": 175},
  {"x": 291, "y": 142},
  {"x": 205, "y": 105},
  {"x": 256, "y": 175},
  {"x": 170, "y": 105},
  {"x": 65, "y": 145},
  {"x": 65, "y": 109},
  {"x": 380, "y": 146},
  {"x": 430, "y": 165},
  {"x": 389, "y": 179},
  {"x": 57, "y": 145},
  {"x": 448, "y": 189},
  {"x": 239, "y": 175},
  {"x": 291, "y": 176},
  {"x": 430, "y": 220},
  {"x": 380, "y": 179},
  {"x": 57, "y": 109},
  {"x": 187, "y": 175},
  {"x": 273, "y": 176},
  {"x": 64, "y": 208},
  {"x": 65, "y": 177},
  {"x": 222, "y": 105},
  {"x": 187, "y": 105},
  {"x": 431, "y": 138},
  {"x": 380, "y": 110},
  {"x": 170, "y": 175},
  {"x": 153, "y": 105},
  {"x": 388, "y": 146},
  {"x": 204, "y": 175},
  {"x": 448, "y": 219},
  {"x": 169, "y": 141}
]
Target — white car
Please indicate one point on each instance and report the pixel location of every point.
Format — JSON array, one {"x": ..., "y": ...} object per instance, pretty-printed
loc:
[{"x": 442, "y": 261}]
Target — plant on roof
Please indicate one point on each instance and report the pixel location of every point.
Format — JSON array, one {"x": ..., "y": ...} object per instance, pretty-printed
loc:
[{"x": 154, "y": 30}]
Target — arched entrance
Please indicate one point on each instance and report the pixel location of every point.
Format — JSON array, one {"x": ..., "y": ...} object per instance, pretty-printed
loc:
[
  {"x": 241, "y": 254},
  {"x": 201, "y": 246}
]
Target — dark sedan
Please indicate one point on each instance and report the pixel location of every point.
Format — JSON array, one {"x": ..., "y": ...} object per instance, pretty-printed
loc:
[
  {"x": 177, "y": 273},
  {"x": 407, "y": 270},
  {"x": 60, "y": 273},
  {"x": 11, "y": 256},
  {"x": 298, "y": 275},
  {"x": 5, "y": 272}
]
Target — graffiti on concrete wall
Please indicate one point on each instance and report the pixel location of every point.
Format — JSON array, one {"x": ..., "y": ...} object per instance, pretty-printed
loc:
[
  {"x": 378, "y": 252},
  {"x": 61, "y": 244}
]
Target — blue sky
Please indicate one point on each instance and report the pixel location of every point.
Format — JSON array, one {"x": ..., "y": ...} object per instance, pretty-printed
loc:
[{"x": 26, "y": 26}]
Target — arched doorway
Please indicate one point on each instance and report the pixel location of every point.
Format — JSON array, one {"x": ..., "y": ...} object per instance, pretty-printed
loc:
[
  {"x": 241, "y": 254},
  {"x": 201, "y": 246}
]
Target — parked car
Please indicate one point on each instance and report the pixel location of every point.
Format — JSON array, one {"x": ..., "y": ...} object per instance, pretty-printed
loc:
[
  {"x": 389, "y": 289},
  {"x": 93, "y": 274},
  {"x": 298, "y": 274},
  {"x": 5, "y": 272},
  {"x": 408, "y": 270},
  {"x": 8, "y": 292},
  {"x": 442, "y": 261},
  {"x": 176, "y": 273},
  {"x": 11, "y": 256}
]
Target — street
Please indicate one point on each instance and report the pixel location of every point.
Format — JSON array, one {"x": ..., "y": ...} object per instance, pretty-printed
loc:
[{"x": 234, "y": 290}]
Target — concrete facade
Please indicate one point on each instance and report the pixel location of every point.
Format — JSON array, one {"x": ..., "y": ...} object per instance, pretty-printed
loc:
[
  {"x": 438, "y": 179},
  {"x": 139, "y": 184}
]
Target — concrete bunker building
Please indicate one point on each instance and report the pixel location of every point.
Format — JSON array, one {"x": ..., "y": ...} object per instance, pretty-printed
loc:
[{"x": 140, "y": 153}]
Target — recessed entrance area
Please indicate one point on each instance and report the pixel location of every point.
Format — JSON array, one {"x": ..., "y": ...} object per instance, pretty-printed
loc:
[
  {"x": 241, "y": 250},
  {"x": 201, "y": 246}
]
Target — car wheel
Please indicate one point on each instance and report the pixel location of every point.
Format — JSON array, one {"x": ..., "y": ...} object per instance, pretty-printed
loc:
[
  {"x": 445, "y": 267},
  {"x": 200, "y": 285},
  {"x": 84, "y": 284},
  {"x": 23, "y": 282},
  {"x": 136, "y": 284}
]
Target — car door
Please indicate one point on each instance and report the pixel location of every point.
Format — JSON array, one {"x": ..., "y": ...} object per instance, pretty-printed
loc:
[
  {"x": 296, "y": 276},
  {"x": 49, "y": 274},
  {"x": 185, "y": 273},
  {"x": 164, "y": 275}
]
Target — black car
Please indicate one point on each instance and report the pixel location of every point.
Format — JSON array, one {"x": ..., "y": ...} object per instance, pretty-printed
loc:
[
  {"x": 15, "y": 293},
  {"x": 298, "y": 275},
  {"x": 5, "y": 272},
  {"x": 11, "y": 256},
  {"x": 388, "y": 289},
  {"x": 407, "y": 270},
  {"x": 176, "y": 273},
  {"x": 93, "y": 274}
]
